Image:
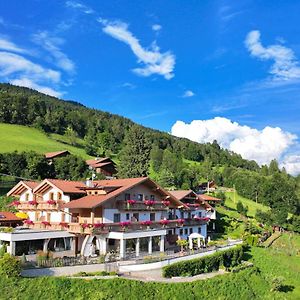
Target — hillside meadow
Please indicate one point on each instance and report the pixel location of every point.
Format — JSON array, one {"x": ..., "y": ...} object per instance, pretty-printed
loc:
[{"x": 22, "y": 138}]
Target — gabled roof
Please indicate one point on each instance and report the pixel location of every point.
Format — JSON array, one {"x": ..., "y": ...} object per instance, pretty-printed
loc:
[
  {"x": 99, "y": 162},
  {"x": 92, "y": 201},
  {"x": 22, "y": 186},
  {"x": 8, "y": 216},
  {"x": 181, "y": 194},
  {"x": 208, "y": 198},
  {"x": 66, "y": 186},
  {"x": 50, "y": 155}
]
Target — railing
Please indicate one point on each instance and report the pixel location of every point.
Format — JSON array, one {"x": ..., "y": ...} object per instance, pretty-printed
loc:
[
  {"x": 131, "y": 226},
  {"x": 40, "y": 205},
  {"x": 89, "y": 220},
  {"x": 140, "y": 205}
]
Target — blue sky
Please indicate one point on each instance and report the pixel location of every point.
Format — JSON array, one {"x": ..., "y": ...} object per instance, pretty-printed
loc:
[{"x": 201, "y": 69}]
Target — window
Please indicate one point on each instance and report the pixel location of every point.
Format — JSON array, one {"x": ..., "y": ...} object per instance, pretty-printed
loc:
[
  {"x": 186, "y": 231},
  {"x": 152, "y": 197},
  {"x": 140, "y": 197},
  {"x": 181, "y": 231},
  {"x": 170, "y": 232},
  {"x": 27, "y": 197},
  {"x": 199, "y": 230},
  {"x": 59, "y": 196},
  {"x": 152, "y": 216},
  {"x": 199, "y": 214},
  {"x": 181, "y": 215},
  {"x": 191, "y": 230},
  {"x": 127, "y": 196},
  {"x": 48, "y": 217},
  {"x": 189, "y": 215},
  {"x": 51, "y": 196},
  {"x": 127, "y": 216},
  {"x": 63, "y": 217},
  {"x": 117, "y": 218},
  {"x": 135, "y": 217}
]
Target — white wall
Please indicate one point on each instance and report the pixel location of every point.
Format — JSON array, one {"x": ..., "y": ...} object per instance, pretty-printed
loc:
[
  {"x": 195, "y": 229},
  {"x": 199, "y": 212},
  {"x": 108, "y": 215}
]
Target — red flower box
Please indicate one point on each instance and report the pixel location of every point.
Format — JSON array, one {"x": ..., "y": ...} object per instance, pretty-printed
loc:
[
  {"x": 149, "y": 202},
  {"x": 85, "y": 225},
  {"x": 46, "y": 223},
  {"x": 15, "y": 203},
  {"x": 193, "y": 204},
  {"x": 180, "y": 221},
  {"x": 63, "y": 224},
  {"x": 164, "y": 222},
  {"x": 166, "y": 203},
  {"x": 125, "y": 224},
  {"x": 51, "y": 202},
  {"x": 98, "y": 225},
  {"x": 33, "y": 202},
  {"x": 28, "y": 222},
  {"x": 147, "y": 223},
  {"x": 130, "y": 202}
]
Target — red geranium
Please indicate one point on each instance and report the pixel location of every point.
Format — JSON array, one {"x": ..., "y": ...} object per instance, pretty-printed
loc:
[
  {"x": 16, "y": 203},
  {"x": 149, "y": 202},
  {"x": 85, "y": 225},
  {"x": 147, "y": 223},
  {"x": 98, "y": 225},
  {"x": 130, "y": 202},
  {"x": 164, "y": 222},
  {"x": 28, "y": 222},
  {"x": 32, "y": 202},
  {"x": 64, "y": 224},
  {"x": 125, "y": 224},
  {"x": 180, "y": 221},
  {"x": 46, "y": 223},
  {"x": 51, "y": 202},
  {"x": 166, "y": 203}
]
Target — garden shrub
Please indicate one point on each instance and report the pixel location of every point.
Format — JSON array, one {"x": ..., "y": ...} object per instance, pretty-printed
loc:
[
  {"x": 10, "y": 266},
  {"x": 227, "y": 258}
]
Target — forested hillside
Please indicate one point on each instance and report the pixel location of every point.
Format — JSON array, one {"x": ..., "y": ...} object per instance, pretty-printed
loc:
[{"x": 173, "y": 162}]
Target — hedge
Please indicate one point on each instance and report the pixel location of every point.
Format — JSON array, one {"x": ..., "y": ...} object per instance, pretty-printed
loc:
[{"x": 227, "y": 258}]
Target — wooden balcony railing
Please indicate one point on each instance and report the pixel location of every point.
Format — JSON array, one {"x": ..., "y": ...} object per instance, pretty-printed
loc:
[
  {"x": 40, "y": 205},
  {"x": 141, "y": 205}
]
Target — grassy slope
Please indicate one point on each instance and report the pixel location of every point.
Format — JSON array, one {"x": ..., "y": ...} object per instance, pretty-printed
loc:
[
  {"x": 22, "y": 138},
  {"x": 252, "y": 205}
]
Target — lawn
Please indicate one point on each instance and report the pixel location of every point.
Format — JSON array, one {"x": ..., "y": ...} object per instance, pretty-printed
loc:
[
  {"x": 253, "y": 283},
  {"x": 22, "y": 138},
  {"x": 252, "y": 205}
]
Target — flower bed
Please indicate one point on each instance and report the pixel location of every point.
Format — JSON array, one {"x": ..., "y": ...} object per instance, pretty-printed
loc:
[{"x": 206, "y": 264}]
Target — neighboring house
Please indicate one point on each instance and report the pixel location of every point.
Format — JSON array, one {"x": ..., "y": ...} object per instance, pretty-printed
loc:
[
  {"x": 208, "y": 186},
  {"x": 194, "y": 208},
  {"x": 95, "y": 217},
  {"x": 104, "y": 165},
  {"x": 212, "y": 201},
  {"x": 9, "y": 219},
  {"x": 52, "y": 155}
]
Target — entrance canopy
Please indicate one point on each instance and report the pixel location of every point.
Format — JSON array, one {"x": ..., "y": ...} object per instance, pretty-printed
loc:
[{"x": 197, "y": 236}]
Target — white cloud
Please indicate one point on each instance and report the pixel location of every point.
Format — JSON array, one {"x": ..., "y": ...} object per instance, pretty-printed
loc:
[
  {"x": 6, "y": 44},
  {"x": 259, "y": 145},
  {"x": 82, "y": 7},
  {"x": 30, "y": 84},
  {"x": 285, "y": 67},
  {"x": 51, "y": 44},
  {"x": 292, "y": 164},
  {"x": 153, "y": 61},
  {"x": 156, "y": 27},
  {"x": 11, "y": 63},
  {"x": 188, "y": 94}
]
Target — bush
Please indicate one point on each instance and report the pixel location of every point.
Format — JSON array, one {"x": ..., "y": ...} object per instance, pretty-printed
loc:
[
  {"x": 3, "y": 250},
  {"x": 227, "y": 258},
  {"x": 10, "y": 266}
]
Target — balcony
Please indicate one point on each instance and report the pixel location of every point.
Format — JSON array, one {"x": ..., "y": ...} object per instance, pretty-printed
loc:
[
  {"x": 39, "y": 205},
  {"x": 141, "y": 205}
]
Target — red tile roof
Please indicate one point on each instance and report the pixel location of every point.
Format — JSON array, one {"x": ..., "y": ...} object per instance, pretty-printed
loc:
[
  {"x": 121, "y": 185},
  {"x": 66, "y": 186},
  {"x": 22, "y": 186},
  {"x": 32, "y": 184},
  {"x": 99, "y": 162},
  {"x": 50, "y": 155},
  {"x": 208, "y": 198},
  {"x": 180, "y": 194},
  {"x": 8, "y": 216}
]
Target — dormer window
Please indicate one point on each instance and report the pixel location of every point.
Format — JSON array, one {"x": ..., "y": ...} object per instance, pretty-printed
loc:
[
  {"x": 27, "y": 197},
  {"x": 51, "y": 196},
  {"x": 59, "y": 196}
]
